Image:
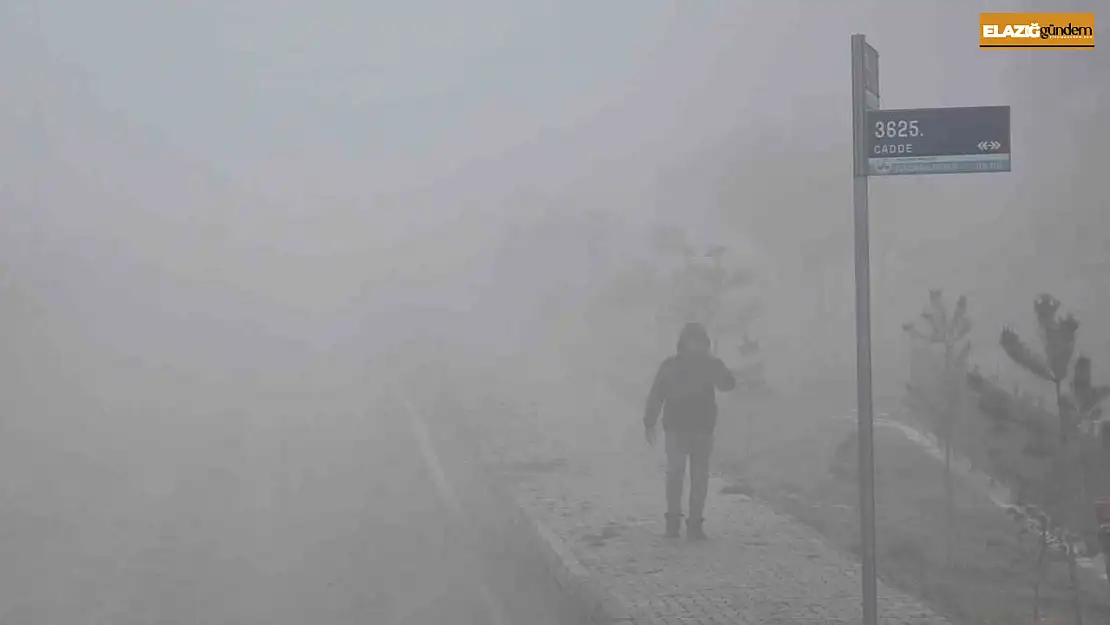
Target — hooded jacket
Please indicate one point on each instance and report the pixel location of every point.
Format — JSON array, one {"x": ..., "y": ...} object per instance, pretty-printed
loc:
[{"x": 685, "y": 386}]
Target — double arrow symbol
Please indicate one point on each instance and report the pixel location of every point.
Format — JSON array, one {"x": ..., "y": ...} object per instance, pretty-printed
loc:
[{"x": 988, "y": 146}]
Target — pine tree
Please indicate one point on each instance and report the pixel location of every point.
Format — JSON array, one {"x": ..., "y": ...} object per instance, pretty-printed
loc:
[
  {"x": 1058, "y": 339},
  {"x": 701, "y": 287},
  {"x": 948, "y": 329}
]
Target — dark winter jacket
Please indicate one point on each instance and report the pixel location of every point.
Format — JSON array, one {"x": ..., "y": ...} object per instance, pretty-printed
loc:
[{"x": 685, "y": 386}]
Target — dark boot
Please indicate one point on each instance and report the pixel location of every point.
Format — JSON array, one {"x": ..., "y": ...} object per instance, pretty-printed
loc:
[
  {"x": 694, "y": 529},
  {"x": 674, "y": 522}
]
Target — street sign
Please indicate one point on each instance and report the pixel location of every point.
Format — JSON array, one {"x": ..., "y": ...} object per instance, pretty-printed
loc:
[
  {"x": 870, "y": 77},
  {"x": 938, "y": 141},
  {"x": 892, "y": 143}
]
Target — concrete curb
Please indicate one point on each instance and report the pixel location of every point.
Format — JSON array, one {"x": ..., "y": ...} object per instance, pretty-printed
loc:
[
  {"x": 573, "y": 578},
  {"x": 528, "y": 533}
]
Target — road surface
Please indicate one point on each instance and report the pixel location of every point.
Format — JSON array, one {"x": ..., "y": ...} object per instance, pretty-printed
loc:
[{"x": 289, "y": 509}]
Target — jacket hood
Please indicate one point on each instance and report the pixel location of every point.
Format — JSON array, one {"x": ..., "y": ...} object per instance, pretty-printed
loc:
[{"x": 692, "y": 333}]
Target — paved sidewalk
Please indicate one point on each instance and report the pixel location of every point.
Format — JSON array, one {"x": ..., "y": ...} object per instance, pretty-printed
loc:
[{"x": 586, "y": 475}]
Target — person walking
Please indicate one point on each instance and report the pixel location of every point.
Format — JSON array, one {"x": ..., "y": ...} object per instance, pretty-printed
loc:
[{"x": 684, "y": 391}]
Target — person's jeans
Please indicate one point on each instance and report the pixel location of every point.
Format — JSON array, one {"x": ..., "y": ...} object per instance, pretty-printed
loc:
[{"x": 696, "y": 446}]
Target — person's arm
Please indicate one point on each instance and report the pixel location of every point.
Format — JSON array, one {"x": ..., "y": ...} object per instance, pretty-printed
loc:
[
  {"x": 656, "y": 396},
  {"x": 726, "y": 381}
]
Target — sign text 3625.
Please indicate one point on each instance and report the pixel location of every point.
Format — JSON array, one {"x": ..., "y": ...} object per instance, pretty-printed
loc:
[{"x": 899, "y": 129}]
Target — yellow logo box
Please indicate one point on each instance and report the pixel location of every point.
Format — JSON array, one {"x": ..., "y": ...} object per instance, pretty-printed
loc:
[{"x": 1037, "y": 30}]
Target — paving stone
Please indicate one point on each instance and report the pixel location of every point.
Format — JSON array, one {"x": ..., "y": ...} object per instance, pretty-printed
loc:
[{"x": 597, "y": 485}]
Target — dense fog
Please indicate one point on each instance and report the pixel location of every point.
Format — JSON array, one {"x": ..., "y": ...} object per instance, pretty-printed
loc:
[{"x": 216, "y": 211}]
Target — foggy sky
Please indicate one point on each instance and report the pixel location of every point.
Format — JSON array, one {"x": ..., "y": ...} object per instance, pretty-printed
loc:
[{"x": 275, "y": 174}]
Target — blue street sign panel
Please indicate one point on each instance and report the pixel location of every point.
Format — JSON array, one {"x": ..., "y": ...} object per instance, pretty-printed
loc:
[{"x": 938, "y": 141}]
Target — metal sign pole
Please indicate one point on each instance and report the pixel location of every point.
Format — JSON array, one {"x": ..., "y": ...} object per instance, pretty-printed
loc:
[
  {"x": 897, "y": 143},
  {"x": 863, "y": 325}
]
